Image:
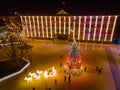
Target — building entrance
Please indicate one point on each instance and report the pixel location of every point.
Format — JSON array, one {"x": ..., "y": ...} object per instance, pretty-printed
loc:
[{"x": 62, "y": 36}]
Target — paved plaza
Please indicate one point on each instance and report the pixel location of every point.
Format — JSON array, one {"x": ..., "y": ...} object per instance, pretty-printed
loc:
[{"x": 46, "y": 54}]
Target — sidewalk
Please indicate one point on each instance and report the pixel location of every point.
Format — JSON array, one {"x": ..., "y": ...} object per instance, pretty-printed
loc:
[{"x": 114, "y": 68}]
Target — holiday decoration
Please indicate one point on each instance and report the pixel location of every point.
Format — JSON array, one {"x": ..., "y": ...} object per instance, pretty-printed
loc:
[
  {"x": 73, "y": 63},
  {"x": 38, "y": 74}
]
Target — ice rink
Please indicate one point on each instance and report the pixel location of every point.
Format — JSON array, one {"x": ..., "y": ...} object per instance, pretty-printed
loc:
[{"x": 46, "y": 54}]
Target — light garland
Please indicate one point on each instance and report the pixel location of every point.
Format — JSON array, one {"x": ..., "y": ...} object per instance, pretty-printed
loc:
[
  {"x": 36, "y": 75},
  {"x": 71, "y": 25}
]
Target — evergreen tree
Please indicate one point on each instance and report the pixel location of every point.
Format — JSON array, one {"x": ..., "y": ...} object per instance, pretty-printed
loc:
[{"x": 73, "y": 62}]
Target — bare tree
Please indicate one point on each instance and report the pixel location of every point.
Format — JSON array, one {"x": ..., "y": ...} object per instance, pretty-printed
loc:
[
  {"x": 16, "y": 48},
  {"x": 13, "y": 26}
]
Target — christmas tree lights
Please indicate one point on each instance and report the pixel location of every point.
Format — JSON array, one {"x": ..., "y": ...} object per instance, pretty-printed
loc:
[{"x": 73, "y": 64}]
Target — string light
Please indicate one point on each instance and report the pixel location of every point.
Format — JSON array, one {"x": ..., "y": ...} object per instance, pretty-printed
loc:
[
  {"x": 101, "y": 27},
  {"x": 84, "y": 27},
  {"x": 108, "y": 22},
  {"x": 113, "y": 27},
  {"x": 71, "y": 28}
]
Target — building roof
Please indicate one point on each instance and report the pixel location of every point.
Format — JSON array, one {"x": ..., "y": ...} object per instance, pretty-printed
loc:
[{"x": 62, "y": 12}]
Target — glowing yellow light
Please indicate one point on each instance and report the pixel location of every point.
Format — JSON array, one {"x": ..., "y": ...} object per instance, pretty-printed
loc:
[
  {"x": 28, "y": 79},
  {"x": 84, "y": 27},
  {"x": 74, "y": 27},
  {"x": 37, "y": 77},
  {"x": 90, "y": 27},
  {"x": 23, "y": 27},
  {"x": 108, "y": 22},
  {"x": 26, "y": 26},
  {"x": 59, "y": 25},
  {"x": 34, "y": 26},
  {"x": 55, "y": 24},
  {"x": 50, "y": 72},
  {"x": 101, "y": 27},
  {"x": 38, "y": 25},
  {"x": 51, "y": 26},
  {"x": 46, "y": 74},
  {"x": 79, "y": 27},
  {"x": 64, "y": 24},
  {"x": 95, "y": 28},
  {"x": 69, "y": 25},
  {"x": 54, "y": 71},
  {"x": 31, "y": 74},
  {"x": 30, "y": 26},
  {"x": 113, "y": 28},
  {"x": 46, "y": 26},
  {"x": 39, "y": 72},
  {"x": 42, "y": 26}
]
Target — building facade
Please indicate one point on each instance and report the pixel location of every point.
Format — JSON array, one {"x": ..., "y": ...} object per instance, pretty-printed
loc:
[{"x": 82, "y": 28}]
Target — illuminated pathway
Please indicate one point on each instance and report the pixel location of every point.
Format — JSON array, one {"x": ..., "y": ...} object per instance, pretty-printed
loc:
[{"x": 114, "y": 68}]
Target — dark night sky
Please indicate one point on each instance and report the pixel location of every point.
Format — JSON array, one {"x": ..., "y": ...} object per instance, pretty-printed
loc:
[
  {"x": 73, "y": 7},
  {"x": 53, "y": 6}
]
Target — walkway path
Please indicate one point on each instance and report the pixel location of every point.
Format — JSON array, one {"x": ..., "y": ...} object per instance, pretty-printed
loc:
[{"x": 114, "y": 68}]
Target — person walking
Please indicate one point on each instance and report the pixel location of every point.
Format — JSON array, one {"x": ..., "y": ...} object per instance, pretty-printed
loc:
[
  {"x": 69, "y": 78},
  {"x": 33, "y": 88},
  {"x": 99, "y": 71},
  {"x": 55, "y": 81},
  {"x": 49, "y": 89},
  {"x": 61, "y": 56},
  {"x": 60, "y": 64},
  {"x": 64, "y": 78},
  {"x": 97, "y": 68},
  {"x": 46, "y": 86},
  {"x": 85, "y": 69}
]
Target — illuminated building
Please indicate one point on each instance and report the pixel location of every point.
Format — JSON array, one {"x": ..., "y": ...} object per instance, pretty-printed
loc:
[
  {"x": 81, "y": 28},
  {"x": 73, "y": 27}
]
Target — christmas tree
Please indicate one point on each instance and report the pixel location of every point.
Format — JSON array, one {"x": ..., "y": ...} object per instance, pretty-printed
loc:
[{"x": 73, "y": 63}]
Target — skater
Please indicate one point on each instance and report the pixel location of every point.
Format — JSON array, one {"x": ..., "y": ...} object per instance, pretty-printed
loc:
[
  {"x": 64, "y": 78},
  {"x": 49, "y": 89},
  {"x": 55, "y": 81},
  {"x": 85, "y": 69},
  {"x": 99, "y": 71},
  {"x": 97, "y": 68},
  {"x": 69, "y": 78},
  {"x": 33, "y": 88},
  {"x": 46, "y": 86},
  {"x": 61, "y": 56},
  {"x": 60, "y": 64}
]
